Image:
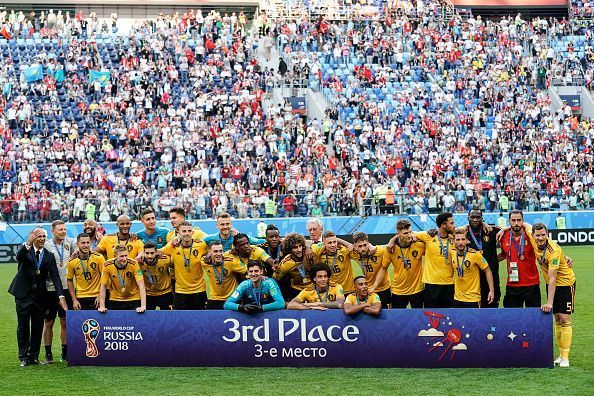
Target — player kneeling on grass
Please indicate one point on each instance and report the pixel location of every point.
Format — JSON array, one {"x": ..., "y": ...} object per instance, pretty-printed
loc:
[
  {"x": 257, "y": 294},
  {"x": 322, "y": 295},
  {"x": 361, "y": 300},
  {"x": 123, "y": 277},
  {"x": 467, "y": 264}
]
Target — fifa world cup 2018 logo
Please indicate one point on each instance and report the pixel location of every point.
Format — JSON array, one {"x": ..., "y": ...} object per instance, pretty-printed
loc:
[{"x": 91, "y": 329}]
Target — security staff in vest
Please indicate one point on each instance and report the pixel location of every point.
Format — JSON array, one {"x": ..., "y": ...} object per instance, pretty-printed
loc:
[
  {"x": 35, "y": 265},
  {"x": 560, "y": 222}
]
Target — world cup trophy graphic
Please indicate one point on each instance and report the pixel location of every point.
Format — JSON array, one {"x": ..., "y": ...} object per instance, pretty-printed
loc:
[{"x": 91, "y": 329}]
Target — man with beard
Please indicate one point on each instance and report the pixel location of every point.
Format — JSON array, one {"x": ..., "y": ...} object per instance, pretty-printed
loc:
[
  {"x": 123, "y": 277},
  {"x": 407, "y": 262},
  {"x": 155, "y": 268},
  {"x": 91, "y": 228},
  {"x": 295, "y": 265},
  {"x": 190, "y": 288},
  {"x": 274, "y": 248},
  {"x": 337, "y": 258},
  {"x": 225, "y": 234},
  {"x": 120, "y": 238},
  {"x": 84, "y": 275},
  {"x": 152, "y": 233},
  {"x": 485, "y": 243},
  {"x": 370, "y": 258},
  {"x": 256, "y": 294},
  {"x": 243, "y": 252},
  {"x": 224, "y": 274},
  {"x": 323, "y": 294},
  {"x": 362, "y": 300},
  {"x": 522, "y": 287},
  {"x": 62, "y": 247}
]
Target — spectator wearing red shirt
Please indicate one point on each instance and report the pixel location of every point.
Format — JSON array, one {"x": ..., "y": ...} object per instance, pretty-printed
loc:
[{"x": 289, "y": 205}]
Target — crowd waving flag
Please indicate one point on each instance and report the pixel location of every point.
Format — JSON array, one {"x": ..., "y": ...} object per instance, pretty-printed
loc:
[
  {"x": 102, "y": 76},
  {"x": 33, "y": 73},
  {"x": 5, "y": 33}
]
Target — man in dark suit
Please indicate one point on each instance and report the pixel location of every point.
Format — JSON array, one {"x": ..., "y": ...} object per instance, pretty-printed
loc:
[{"x": 35, "y": 266}]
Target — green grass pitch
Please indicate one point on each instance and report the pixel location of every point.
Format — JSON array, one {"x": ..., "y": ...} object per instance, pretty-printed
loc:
[{"x": 58, "y": 379}]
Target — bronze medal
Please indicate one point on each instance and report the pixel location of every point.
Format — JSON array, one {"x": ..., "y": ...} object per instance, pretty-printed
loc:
[
  {"x": 37, "y": 272},
  {"x": 123, "y": 290},
  {"x": 522, "y": 257}
]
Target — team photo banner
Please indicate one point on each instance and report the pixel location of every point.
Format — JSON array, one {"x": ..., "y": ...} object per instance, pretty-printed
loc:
[{"x": 398, "y": 338}]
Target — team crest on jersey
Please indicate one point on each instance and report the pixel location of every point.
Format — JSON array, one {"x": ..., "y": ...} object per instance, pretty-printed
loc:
[
  {"x": 467, "y": 263},
  {"x": 341, "y": 258},
  {"x": 129, "y": 247},
  {"x": 415, "y": 253},
  {"x": 93, "y": 266},
  {"x": 374, "y": 259},
  {"x": 331, "y": 297},
  {"x": 195, "y": 253},
  {"x": 66, "y": 247},
  {"x": 486, "y": 238},
  {"x": 160, "y": 239},
  {"x": 160, "y": 269},
  {"x": 128, "y": 274}
]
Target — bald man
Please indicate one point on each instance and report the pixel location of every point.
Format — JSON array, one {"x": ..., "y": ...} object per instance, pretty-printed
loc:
[{"x": 108, "y": 243}]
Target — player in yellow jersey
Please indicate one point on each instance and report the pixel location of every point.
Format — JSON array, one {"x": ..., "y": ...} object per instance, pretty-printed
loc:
[
  {"x": 467, "y": 264},
  {"x": 157, "y": 278},
  {"x": 295, "y": 265},
  {"x": 437, "y": 271},
  {"x": 85, "y": 270},
  {"x": 370, "y": 258},
  {"x": 108, "y": 243},
  {"x": 560, "y": 281},
  {"x": 362, "y": 300},
  {"x": 190, "y": 288},
  {"x": 177, "y": 215},
  {"x": 407, "y": 262},
  {"x": 223, "y": 275},
  {"x": 337, "y": 258},
  {"x": 123, "y": 277},
  {"x": 323, "y": 294},
  {"x": 243, "y": 252}
]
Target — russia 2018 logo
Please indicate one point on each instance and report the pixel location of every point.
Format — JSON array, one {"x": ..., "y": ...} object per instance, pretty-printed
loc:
[{"x": 90, "y": 329}]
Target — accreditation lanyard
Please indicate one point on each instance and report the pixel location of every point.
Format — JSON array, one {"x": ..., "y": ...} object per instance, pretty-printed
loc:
[
  {"x": 478, "y": 243},
  {"x": 460, "y": 267},
  {"x": 60, "y": 252},
  {"x": 445, "y": 252},
  {"x": 94, "y": 243},
  {"x": 187, "y": 259},
  {"x": 333, "y": 261},
  {"x": 219, "y": 277},
  {"x": 319, "y": 296},
  {"x": 519, "y": 249}
]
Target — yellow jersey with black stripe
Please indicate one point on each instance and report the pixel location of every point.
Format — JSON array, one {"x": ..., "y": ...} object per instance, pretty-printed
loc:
[
  {"x": 157, "y": 276},
  {"x": 371, "y": 264},
  {"x": 339, "y": 263},
  {"x": 223, "y": 279},
  {"x": 437, "y": 269},
  {"x": 197, "y": 234},
  {"x": 297, "y": 270},
  {"x": 552, "y": 256},
  {"x": 352, "y": 299},
  {"x": 86, "y": 274},
  {"x": 257, "y": 254},
  {"x": 467, "y": 268},
  {"x": 121, "y": 282},
  {"x": 189, "y": 278},
  {"x": 407, "y": 264},
  {"x": 109, "y": 242},
  {"x": 311, "y": 295}
]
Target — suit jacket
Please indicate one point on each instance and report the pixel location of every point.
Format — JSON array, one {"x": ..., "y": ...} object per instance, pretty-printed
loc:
[{"x": 26, "y": 280}]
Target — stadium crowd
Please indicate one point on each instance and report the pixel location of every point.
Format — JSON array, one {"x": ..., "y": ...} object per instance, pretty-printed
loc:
[{"x": 457, "y": 119}]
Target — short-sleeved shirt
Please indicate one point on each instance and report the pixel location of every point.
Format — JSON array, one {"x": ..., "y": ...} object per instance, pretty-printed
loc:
[
  {"x": 339, "y": 263},
  {"x": 109, "y": 242},
  {"x": 86, "y": 274},
  {"x": 311, "y": 295},
  {"x": 467, "y": 281},
  {"x": 437, "y": 269},
  {"x": 222, "y": 279},
  {"x": 197, "y": 234},
  {"x": 297, "y": 270},
  {"x": 159, "y": 238},
  {"x": 189, "y": 278},
  {"x": 370, "y": 265},
  {"x": 407, "y": 264},
  {"x": 257, "y": 254},
  {"x": 228, "y": 242},
  {"x": 157, "y": 278},
  {"x": 372, "y": 298},
  {"x": 62, "y": 254},
  {"x": 122, "y": 282},
  {"x": 552, "y": 256}
]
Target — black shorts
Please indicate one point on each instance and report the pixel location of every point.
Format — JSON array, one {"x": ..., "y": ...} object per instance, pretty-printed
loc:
[
  {"x": 401, "y": 301},
  {"x": 164, "y": 302},
  {"x": 520, "y": 296},
  {"x": 465, "y": 304},
  {"x": 438, "y": 296},
  {"x": 215, "y": 304},
  {"x": 190, "y": 302},
  {"x": 87, "y": 303},
  {"x": 385, "y": 297},
  {"x": 563, "y": 303},
  {"x": 52, "y": 305},
  {"x": 123, "y": 305}
]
